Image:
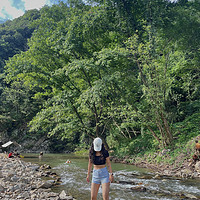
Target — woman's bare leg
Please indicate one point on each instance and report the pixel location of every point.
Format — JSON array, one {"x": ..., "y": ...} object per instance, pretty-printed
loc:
[
  {"x": 105, "y": 191},
  {"x": 94, "y": 191}
]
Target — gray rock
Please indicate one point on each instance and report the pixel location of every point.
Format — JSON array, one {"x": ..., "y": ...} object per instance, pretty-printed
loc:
[
  {"x": 25, "y": 195},
  {"x": 52, "y": 194},
  {"x": 167, "y": 172},
  {"x": 14, "y": 188},
  {"x": 33, "y": 196},
  {"x": 34, "y": 167},
  {"x": 46, "y": 185},
  {"x": 14, "y": 178},
  {"x": 26, "y": 180},
  {"x": 190, "y": 196},
  {"x": 1, "y": 188},
  {"x": 64, "y": 196},
  {"x": 197, "y": 166}
]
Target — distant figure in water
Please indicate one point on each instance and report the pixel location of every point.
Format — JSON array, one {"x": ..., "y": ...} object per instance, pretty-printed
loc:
[
  {"x": 40, "y": 155},
  {"x": 98, "y": 158}
]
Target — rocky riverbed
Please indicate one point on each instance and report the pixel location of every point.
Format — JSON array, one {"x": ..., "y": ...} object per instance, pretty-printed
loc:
[
  {"x": 187, "y": 169},
  {"x": 23, "y": 180}
]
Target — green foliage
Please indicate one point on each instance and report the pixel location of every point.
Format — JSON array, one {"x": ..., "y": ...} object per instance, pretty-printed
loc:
[
  {"x": 187, "y": 129},
  {"x": 59, "y": 146},
  {"x": 127, "y": 71},
  {"x": 124, "y": 146},
  {"x": 14, "y": 34}
]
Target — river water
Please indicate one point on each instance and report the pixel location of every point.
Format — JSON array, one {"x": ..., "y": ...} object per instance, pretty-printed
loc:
[{"x": 127, "y": 179}]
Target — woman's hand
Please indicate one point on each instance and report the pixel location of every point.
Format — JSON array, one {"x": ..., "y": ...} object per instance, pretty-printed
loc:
[
  {"x": 88, "y": 178},
  {"x": 89, "y": 170},
  {"x": 111, "y": 178}
]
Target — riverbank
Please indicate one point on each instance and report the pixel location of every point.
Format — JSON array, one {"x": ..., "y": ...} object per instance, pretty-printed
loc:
[
  {"x": 168, "y": 163},
  {"x": 183, "y": 167},
  {"x": 23, "y": 180}
]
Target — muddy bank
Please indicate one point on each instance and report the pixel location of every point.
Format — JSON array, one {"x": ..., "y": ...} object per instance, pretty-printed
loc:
[{"x": 23, "y": 180}]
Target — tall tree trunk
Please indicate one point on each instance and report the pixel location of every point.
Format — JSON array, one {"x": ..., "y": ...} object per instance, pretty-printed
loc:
[{"x": 154, "y": 134}]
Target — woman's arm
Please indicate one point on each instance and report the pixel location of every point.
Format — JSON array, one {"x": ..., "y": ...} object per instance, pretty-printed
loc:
[
  {"x": 110, "y": 169},
  {"x": 89, "y": 170}
]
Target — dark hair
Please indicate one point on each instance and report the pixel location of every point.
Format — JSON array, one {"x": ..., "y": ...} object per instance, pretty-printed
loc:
[{"x": 92, "y": 153}]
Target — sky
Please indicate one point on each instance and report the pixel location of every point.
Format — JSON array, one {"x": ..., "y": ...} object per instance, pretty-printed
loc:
[{"x": 10, "y": 9}]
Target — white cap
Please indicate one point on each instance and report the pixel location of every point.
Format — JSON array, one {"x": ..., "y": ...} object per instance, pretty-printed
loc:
[{"x": 97, "y": 144}]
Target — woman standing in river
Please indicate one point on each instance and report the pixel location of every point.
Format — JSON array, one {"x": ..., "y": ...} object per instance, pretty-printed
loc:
[{"x": 98, "y": 158}]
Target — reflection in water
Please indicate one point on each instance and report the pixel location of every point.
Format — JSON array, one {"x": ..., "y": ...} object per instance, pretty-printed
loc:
[{"x": 127, "y": 179}]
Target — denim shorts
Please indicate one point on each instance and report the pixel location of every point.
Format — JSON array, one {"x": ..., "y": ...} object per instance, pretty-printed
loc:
[{"x": 100, "y": 176}]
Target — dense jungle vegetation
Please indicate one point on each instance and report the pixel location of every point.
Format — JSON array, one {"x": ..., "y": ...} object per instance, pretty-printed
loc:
[{"x": 126, "y": 71}]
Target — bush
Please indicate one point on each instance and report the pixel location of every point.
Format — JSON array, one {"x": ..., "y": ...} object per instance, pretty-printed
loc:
[{"x": 131, "y": 146}]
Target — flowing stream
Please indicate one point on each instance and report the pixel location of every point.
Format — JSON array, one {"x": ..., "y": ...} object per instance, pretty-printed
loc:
[{"x": 129, "y": 180}]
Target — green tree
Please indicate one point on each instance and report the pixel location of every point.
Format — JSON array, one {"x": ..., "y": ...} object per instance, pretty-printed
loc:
[
  {"x": 60, "y": 62},
  {"x": 98, "y": 71},
  {"x": 156, "y": 63},
  {"x": 14, "y": 35}
]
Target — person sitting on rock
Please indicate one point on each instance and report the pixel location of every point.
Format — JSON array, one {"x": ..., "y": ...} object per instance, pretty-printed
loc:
[
  {"x": 195, "y": 158},
  {"x": 15, "y": 153},
  {"x": 10, "y": 155},
  {"x": 197, "y": 148}
]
